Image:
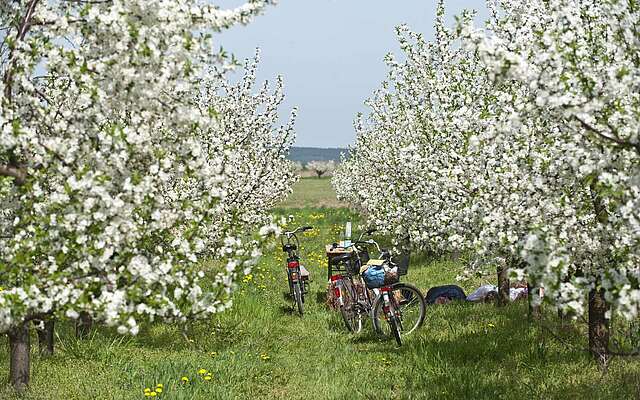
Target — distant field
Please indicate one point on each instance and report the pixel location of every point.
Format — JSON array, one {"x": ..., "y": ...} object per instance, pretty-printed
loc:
[
  {"x": 306, "y": 154},
  {"x": 312, "y": 192}
]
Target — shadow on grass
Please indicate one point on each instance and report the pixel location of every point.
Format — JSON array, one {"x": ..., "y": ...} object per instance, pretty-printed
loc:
[
  {"x": 321, "y": 297},
  {"x": 495, "y": 351},
  {"x": 288, "y": 310}
]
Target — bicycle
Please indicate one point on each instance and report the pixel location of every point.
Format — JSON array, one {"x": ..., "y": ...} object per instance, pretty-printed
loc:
[
  {"x": 297, "y": 275},
  {"x": 400, "y": 304}
]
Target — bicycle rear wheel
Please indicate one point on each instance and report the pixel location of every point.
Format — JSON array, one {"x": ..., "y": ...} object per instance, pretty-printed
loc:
[
  {"x": 297, "y": 294},
  {"x": 408, "y": 305},
  {"x": 349, "y": 309}
]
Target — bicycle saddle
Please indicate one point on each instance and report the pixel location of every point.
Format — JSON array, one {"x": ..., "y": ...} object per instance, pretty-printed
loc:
[{"x": 340, "y": 259}]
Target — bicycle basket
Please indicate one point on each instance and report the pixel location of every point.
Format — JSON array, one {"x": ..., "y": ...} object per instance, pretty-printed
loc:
[
  {"x": 402, "y": 261},
  {"x": 351, "y": 267},
  {"x": 364, "y": 256}
]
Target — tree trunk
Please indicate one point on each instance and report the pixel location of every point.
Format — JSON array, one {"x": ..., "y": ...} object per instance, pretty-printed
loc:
[
  {"x": 598, "y": 323},
  {"x": 83, "y": 325},
  {"x": 562, "y": 316},
  {"x": 533, "y": 295},
  {"x": 45, "y": 337},
  {"x": 503, "y": 285},
  {"x": 598, "y": 326},
  {"x": 19, "y": 363}
]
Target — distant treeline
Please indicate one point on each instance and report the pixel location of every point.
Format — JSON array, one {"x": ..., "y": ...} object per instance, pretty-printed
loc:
[{"x": 306, "y": 154}]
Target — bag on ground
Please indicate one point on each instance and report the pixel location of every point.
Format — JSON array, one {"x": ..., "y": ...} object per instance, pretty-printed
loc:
[{"x": 450, "y": 292}]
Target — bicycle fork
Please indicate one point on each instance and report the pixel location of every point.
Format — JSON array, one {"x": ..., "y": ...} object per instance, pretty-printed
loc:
[{"x": 390, "y": 307}]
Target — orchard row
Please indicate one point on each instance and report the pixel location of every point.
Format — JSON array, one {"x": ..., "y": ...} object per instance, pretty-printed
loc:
[{"x": 518, "y": 143}]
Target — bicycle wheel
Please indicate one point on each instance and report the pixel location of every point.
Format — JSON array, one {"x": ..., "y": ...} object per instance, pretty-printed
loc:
[
  {"x": 297, "y": 294},
  {"x": 409, "y": 306},
  {"x": 349, "y": 309},
  {"x": 395, "y": 329}
]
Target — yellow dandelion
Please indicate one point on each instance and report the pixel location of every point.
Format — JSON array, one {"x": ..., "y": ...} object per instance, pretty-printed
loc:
[
  {"x": 159, "y": 390},
  {"x": 202, "y": 371},
  {"x": 160, "y": 385},
  {"x": 153, "y": 394},
  {"x": 147, "y": 390},
  {"x": 491, "y": 325},
  {"x": 184, "y": 379}
]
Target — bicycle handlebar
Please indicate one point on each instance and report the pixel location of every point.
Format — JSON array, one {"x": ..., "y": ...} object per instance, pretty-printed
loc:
[
  {"x": 357, "y": 242},
  {"x": 292, "y": 234},
  {"x": 368, "y": 232},
  {"x": 299, "y": 229}
]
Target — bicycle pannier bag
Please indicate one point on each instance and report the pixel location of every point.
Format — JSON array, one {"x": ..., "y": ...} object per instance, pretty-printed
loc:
[{"x": 377, "y": 274}]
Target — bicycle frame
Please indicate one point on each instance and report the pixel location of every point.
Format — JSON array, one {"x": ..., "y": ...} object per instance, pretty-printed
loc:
[
  {"x": 390, "y": 307},
  {"x": 379, "y": 303},
  {"x": 293, "y": 259},
  {"x": 297, "y": 285}
]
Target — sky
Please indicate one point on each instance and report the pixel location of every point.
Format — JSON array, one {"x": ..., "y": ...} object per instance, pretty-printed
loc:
[{"x": 330, "y": 53}]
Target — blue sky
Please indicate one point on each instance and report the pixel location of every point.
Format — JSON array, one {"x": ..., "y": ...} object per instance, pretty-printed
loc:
[{"x": 330, "y": 54}]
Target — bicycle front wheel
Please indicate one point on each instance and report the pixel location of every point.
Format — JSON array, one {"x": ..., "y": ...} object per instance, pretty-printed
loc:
[
  {"x": 408, "y": 305},
  {"x": 395, "y": 329}
]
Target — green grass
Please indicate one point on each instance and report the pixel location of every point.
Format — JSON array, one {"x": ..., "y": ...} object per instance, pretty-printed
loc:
[
  {"x": 261, "y": 349},
  {"x": 312, "y": 192}
]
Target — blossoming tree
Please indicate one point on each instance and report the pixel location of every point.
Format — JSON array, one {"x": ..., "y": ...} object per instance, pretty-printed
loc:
[
  {"x": 577, "y": 61},
  {"x": 418, "y": 168},
  {"x": 321, "y": 167},
  {"x": 124, "y": 164},
  {"x": 518, "y": 144}
]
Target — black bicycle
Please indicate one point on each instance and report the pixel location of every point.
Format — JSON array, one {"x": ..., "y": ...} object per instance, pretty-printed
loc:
[{"x": 297, "y": 275}]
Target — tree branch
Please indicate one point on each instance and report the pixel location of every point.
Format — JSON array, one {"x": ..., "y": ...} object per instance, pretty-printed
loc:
[
  {"x": 19, "y": 174},
  {"x": 615, "y": 139}
]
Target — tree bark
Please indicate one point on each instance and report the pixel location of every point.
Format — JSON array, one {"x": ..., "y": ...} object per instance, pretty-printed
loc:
[
  {"x": 503, "y": 285},
  {"x": 598, "y": 323},
  {"x": 598, "y": 326},
  {"x": 533, "y": 293},
  {"x": 20, "y": 362},
  {"x": 83, "y": 325},
  {"x": 45, "y": 337}
]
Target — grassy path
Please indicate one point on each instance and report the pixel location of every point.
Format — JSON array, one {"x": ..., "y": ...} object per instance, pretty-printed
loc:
[
  {"x": 312, "y": 192},
  {"x": 262, "y": 350}
]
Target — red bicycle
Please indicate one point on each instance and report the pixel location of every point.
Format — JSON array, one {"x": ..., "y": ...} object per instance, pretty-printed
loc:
[
  {"x": 297, "y": 275},
  {"x": 368, "y": 289}
]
